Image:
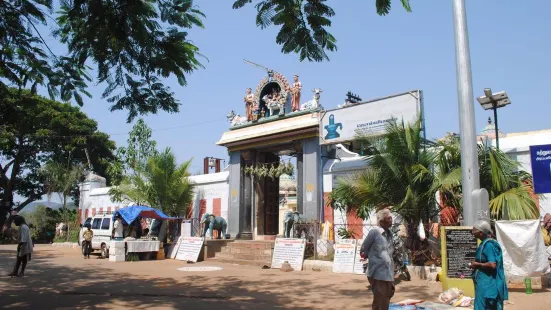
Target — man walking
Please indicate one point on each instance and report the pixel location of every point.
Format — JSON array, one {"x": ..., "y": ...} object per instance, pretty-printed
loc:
[
  {"x": 88, "y": 236},
  {"x": 378, "y": 248},
  {"x": 24, "y": 247}
]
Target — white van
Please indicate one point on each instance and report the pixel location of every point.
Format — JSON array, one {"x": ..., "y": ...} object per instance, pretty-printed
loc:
[{"x": 102, "y": 226}]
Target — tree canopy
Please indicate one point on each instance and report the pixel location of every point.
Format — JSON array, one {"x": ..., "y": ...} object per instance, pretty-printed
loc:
[
  {"x": 134, "y": 45},
  {"x": 132, "y": 158},
  {"x": 34, "y": 131},
  {"x": 303, "y": 24}
]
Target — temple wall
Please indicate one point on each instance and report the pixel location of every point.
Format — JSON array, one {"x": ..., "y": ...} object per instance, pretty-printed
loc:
[{"x": 211, "y": 195}]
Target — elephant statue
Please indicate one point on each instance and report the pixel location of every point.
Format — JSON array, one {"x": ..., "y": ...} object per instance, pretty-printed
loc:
[
  {"x": 212, "y": 222},
  {"x": 291, "y": 218}
]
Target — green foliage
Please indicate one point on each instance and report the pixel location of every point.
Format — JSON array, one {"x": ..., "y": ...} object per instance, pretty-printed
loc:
[
  {"x": 61, "y": 179},
  {"x": 134, "y": 45},
  {"x": 161, "y": 183},
  {"x": 25, "y": 58},
  {"x": 399, "y": 175},
  {"x": 72, "y": 231},
  {"x": 303, "y": 24},
  {"x": 508, "y": 186},
  {"x": 133, "y": 157},
  {"x": 344, "y": 233},
  {"x": 405, "y": 174},
  {"x": 42, "y": 221},
  {"x": 35, "y": 130}
]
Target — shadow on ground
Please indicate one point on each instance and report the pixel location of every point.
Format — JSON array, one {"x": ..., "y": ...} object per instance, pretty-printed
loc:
[{"x": 53, "y": 286}]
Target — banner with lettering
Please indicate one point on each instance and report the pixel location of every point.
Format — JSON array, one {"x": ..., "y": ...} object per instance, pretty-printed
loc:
[{"x": 540, "y": 156}]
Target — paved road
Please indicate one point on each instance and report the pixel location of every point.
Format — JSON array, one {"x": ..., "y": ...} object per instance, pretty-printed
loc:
[{"x": 58, "y": 278}]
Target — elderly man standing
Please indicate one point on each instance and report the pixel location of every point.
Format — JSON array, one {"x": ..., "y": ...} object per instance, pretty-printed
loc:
[{"x": 378, "y": 247}]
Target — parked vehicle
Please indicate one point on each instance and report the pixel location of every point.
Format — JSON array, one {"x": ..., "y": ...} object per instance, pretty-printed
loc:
[{"x": 102, "y": 226}]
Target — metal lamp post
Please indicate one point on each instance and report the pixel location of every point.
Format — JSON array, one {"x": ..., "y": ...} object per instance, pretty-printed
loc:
[
  {"x": 495, "y": 101},
  {"x": 469, "y": 157}
]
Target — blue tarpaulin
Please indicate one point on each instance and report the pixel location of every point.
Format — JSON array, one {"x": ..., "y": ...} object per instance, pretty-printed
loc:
[{"x": 129, "y": 214}]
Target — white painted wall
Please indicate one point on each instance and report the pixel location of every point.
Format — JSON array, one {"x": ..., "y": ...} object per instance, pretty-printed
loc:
[
  {"x": 209, "y": 187},
  {"x": 94, "y": 195}
]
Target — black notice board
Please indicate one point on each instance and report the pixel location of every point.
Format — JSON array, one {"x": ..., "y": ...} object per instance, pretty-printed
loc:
[{"x": 460, "y": 251}]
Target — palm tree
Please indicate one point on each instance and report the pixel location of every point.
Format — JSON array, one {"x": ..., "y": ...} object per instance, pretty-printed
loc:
[
  {"x": 399, "y": 176},
  {"x": 61, "y": 179},
  {"x": 161, "y": 183},
  {"x": 509, "y": 187}
]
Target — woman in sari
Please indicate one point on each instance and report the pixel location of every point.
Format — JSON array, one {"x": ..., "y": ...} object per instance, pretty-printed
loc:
[{"x": 488, "y": 274}]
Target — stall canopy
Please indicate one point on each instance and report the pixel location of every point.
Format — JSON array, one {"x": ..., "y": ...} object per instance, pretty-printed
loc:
[{"x": 129, "y": 214}]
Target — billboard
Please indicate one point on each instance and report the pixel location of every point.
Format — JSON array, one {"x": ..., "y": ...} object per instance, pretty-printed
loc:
[
  {"x": 369, "y": 118},
  {"x": 540, "y": 156}
]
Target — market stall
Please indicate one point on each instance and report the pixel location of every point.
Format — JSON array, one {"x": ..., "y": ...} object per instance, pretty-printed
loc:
[{"x": 133, "y": 245}]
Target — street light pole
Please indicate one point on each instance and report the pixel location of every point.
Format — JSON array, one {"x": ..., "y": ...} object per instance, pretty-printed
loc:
[
  {"x": 467, "y": 130},
  {"x": 494, "y": 107}
]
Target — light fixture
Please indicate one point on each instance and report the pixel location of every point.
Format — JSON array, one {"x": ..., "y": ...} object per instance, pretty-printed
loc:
[{"x": 493, "y": 102}]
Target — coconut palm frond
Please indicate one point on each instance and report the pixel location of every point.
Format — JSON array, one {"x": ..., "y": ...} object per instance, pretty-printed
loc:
[
  {"x": 517, "y": 202},
  {"x": 161, "y": 184}
]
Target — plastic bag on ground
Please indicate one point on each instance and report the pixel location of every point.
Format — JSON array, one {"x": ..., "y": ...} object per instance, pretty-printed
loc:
[{"x": 451, "y": 295}]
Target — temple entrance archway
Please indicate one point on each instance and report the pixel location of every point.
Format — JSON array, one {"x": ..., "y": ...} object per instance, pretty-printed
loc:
[{"x": 259, "y": 143}]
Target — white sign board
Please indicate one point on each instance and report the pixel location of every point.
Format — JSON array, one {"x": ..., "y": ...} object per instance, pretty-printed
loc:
[
  {"x": 291, "y": 250},
  {"x": 189, "y": 249},
  {"x": 345, "y": 251},
  {"x": 358, "y": 262},
  {"x": 369, "y": 118}
]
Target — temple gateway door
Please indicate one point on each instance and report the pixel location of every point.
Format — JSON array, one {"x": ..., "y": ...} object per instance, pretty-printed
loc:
[{"x": 271, "y": 201}]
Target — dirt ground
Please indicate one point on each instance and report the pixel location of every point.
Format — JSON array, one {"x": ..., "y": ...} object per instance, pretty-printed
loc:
[{"x": 59, "y": 278}]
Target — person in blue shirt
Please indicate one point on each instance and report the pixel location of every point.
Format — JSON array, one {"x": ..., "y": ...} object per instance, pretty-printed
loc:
[{"x": 488, "y": 274}]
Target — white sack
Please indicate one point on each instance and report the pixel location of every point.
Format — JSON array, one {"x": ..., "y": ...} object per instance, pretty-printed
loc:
[{"x": 524, "y": 252}]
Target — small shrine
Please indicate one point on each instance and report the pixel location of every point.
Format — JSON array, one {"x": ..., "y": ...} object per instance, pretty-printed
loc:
[
  {"x": 274, "y": 98},
  {"x": 489, "y": 132},
  {"x": 277, "y": 121}
]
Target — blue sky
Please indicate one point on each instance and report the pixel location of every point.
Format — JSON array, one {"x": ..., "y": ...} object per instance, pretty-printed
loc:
[{"x": 377, "y": 56}]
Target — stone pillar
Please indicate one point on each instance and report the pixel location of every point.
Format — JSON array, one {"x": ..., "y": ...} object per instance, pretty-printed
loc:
[
  {"x": 311, "y": 179},
  {"x": 300, "y": 182},
  {"x": 246, "y": 228},
  {"x": 234, "y": 206}
]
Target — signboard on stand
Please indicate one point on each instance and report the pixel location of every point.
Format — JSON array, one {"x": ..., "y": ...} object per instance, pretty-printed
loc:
[
  {"x": 290, "y": 250},
  {"x": 189, "y": 248},
  {"x": 345, "y": 253},
  {"x": 358, "y": 262},
  {"x": 458, "y": 250},
  {"x": 540, "y": 156}
]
